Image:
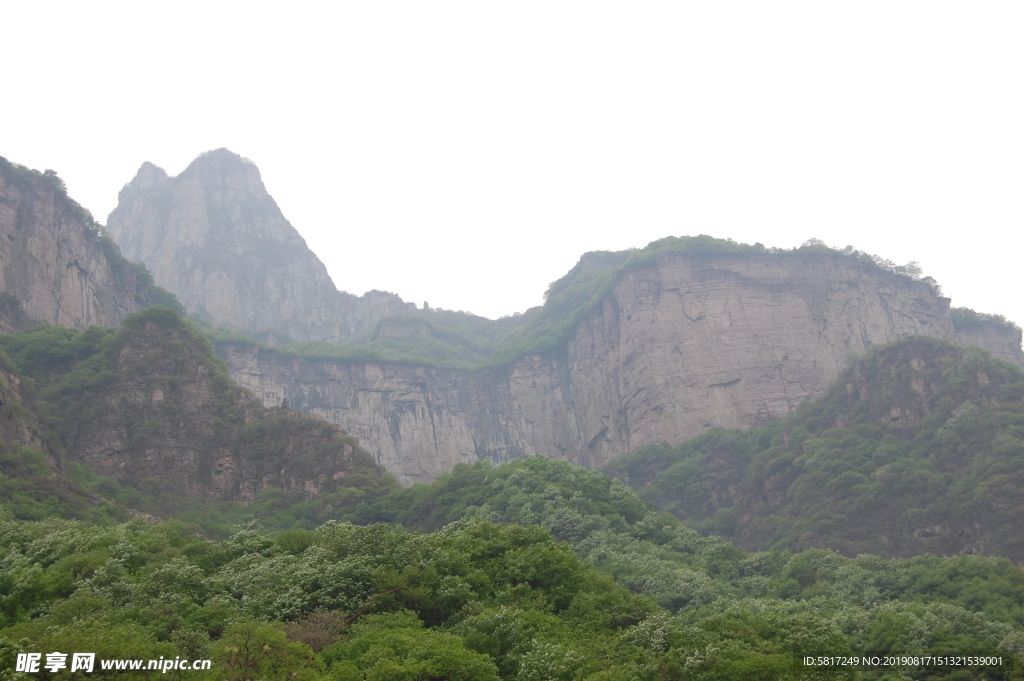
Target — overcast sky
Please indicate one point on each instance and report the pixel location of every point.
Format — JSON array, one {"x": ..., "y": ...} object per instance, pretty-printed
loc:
[{"x": 468, "y": 153}]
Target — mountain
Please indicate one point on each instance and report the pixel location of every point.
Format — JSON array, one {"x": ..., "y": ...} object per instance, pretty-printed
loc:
[
  {"x": 534, "y": 568},
  {"x": 215, "y": 238},
  {"x": 650, "y": 346},
  {"x": 630, "y": 348},
  {"x": 57, "y": 266},
  {"x": 151, "y": 410},
  {"x": 916, "y": 448}
]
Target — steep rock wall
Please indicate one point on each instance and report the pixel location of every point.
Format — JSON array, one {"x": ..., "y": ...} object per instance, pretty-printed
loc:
[
  {"x": 1002, "y": 340},
  {"x": 214, "y": 237},
  {"x": 53, "y": 265},
  {"x": 678, "y": 347}
]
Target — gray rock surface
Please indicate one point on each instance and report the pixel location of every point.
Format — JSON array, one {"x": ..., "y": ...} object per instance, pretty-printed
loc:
[
  {"x": 214, "y": 237},
  {"x": 681, "y": 345},
  {"x": 678, "y": 347},
  {"x": 53, "y": 266}
]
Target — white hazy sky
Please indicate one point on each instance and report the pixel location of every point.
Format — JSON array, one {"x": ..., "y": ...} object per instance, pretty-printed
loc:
[{"x": 467, "y": 153}]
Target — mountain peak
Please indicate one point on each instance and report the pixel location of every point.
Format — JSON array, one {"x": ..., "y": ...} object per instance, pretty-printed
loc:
[
  {"x": 214, "y": 234},
  {"x": 149, "y": 175}
]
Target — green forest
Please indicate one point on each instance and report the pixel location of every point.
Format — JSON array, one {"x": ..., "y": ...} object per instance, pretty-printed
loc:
[
  {"x": 540, "y": 570},
  {"x": 531, "y": 569}
]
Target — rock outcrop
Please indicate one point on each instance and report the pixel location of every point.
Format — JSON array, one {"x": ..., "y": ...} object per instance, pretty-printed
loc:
[
  {"x": 678, "y": 347},
  {"x": 1001, "y": 339},
  {"x": 214, "y": 237},
  {"x": 168, "y": 416},
  {"x": 56, "y": 266}
]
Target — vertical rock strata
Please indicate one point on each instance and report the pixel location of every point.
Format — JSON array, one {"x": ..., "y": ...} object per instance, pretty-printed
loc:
[
  {"x": 214, "y": 237},
  {"x": 54, "y": 268},
  {"x": 681, "y": 346}
]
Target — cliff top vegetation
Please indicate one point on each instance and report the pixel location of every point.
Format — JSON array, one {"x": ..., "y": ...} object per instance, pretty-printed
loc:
[{"x": 459, "y": 340}]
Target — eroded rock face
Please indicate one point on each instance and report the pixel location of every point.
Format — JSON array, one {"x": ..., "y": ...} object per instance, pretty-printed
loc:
[
  {"x": 681, "y": 346},
  {"x": 53, "y": 267},
  {"x": 214, "y": 237},
  {"x": 1001, "y": 340}
]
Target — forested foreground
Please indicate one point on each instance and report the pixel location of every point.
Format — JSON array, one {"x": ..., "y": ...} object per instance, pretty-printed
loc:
[
  {"x": 549, "y": 572},
  {"x": 534, "y": 569}
]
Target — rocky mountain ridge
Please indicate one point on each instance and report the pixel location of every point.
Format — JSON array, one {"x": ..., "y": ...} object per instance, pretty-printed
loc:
[
  {"x": 630, "y": 349},
  {"x": 215, "y": 238},
  {"x": 686, "y": 344}
]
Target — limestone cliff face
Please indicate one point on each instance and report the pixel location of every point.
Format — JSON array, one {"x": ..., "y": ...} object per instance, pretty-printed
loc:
[
  {"x": 215, "y": 237},
  {"x": 54, "y": 266},
  {"x": 678, "y": 347}
]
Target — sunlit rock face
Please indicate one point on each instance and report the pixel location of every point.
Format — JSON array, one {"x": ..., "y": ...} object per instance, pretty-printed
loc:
[
  {"x": 53, "y": 267},
  {"x": 214, "y": 237},
  {"x": 678, "y": 347}
]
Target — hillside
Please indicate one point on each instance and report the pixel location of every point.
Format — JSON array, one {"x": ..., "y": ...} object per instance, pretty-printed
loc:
[
  {"x": 150, "y": 410},
  {"x": 917, "y": 447},
  {"x": 36, "y": 479},
  {"x": 626, "y": 594}
]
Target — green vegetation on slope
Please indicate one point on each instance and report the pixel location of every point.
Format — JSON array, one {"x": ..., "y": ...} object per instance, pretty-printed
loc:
[
  {"x": 82, "y": 384},
  {"x": 35, "y": 481},
  {"x": 484, "y": 599},
  {"x": 917, "y": 447},
  {"x": 458, "y": 340},
  {"x": 964, "y": 318},
  {"x": 535, "y": 569}
]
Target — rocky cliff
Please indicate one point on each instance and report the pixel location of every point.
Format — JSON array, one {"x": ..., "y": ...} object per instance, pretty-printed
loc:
[
  {"x": 215, "y": 238},
  {"x": 678, "y": 346},
  {"x": 55, "y": 264},
  {"x": 914, "y": 449},
  {"x": 631, "y": 348}
]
